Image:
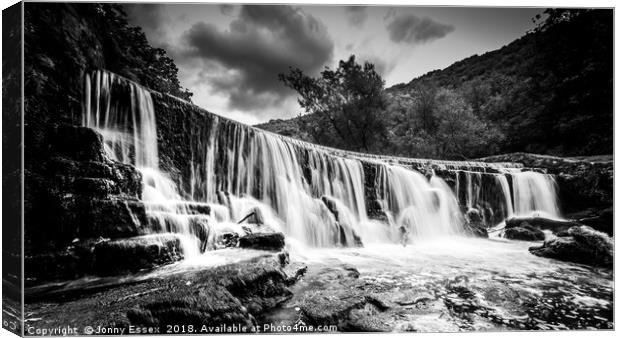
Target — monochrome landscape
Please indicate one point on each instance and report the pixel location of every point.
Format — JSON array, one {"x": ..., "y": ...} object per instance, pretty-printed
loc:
[{"x": 203, "y": 168}]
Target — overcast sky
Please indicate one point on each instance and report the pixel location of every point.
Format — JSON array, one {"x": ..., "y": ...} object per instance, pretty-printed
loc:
[{"x": 229, "y": 56}]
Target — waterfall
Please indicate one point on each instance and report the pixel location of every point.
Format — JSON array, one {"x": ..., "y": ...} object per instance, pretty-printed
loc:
[
  {"x": 535, "y": 194},
  {"x": 123, "y": 113},
  {"x": 317, "y": 196},
  {"x": 424, "y": 208}
]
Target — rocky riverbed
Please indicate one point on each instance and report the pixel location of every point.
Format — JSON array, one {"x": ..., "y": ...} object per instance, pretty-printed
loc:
[
  {"x": 447, "y": 286},
  {"x": 454, "y": 284}
]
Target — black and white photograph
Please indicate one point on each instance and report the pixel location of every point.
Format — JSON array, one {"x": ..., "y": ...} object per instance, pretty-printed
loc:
[{"x": 202, "y": 168}]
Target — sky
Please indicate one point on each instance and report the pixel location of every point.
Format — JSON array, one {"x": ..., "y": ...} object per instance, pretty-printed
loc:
[{"x": 230, "y": 56}]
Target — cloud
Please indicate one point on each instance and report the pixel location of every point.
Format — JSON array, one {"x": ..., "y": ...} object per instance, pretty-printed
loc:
[
  {"x": 260, "y": 43},
  {"x": 409, "y": 28},
  {"x": 382, "y": 66},
  {"x": 356, "y": 15},
  {"x": 147, "y": 16},
  {"x": 226, "y": 9}
]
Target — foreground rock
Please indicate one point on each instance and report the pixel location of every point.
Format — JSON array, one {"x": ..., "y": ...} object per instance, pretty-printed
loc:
[
  {"x": 582, "y": 244},
  {"x": 524, "y": 232},
  {"x": 136, "y": 253},
  {"x": 233, "y": 294}
]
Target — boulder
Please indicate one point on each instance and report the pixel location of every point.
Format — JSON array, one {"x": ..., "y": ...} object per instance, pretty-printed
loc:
[
  {"x": 524, "y": 232},
  {"x": 146, "y": 252},
  {"x": 582, "y": 245},
  {"x": 263, "y": 241}
]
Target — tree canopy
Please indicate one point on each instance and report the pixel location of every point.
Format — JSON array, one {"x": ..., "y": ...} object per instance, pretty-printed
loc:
[{"x": 347, "y": 101}]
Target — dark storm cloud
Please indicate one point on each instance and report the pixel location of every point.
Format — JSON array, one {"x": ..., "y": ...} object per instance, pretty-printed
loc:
[
  {"x": 409, "y": 28},
  {"x": 226, "y": 9},
  {"x": 356, "y": 15},
  {"x": 260, "y": 43},
  {"x": 147, "y": 16}
]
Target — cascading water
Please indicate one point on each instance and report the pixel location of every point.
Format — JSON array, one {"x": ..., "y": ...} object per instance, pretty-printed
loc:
[
  {"x": 534, "y": 194},
  {"x": 424, "y": 208},
  {"x": 123, "y": 113},
  {"x": 316, "y": 195}
]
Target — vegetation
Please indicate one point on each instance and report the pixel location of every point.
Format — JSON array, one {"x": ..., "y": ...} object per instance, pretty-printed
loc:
[
  {"x": 347, "y": 103},
  {"x": 64, "y": 41},
  {"x": 549, "y": 92}
]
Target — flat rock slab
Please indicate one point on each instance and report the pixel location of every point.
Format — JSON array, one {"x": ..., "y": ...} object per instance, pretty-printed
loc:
[
  {"x": 136, "y": 253},
  {"x": 229, "y": 294}
]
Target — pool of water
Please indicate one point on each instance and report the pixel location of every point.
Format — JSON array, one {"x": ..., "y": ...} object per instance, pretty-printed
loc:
[{"x": 472, "y": 284}]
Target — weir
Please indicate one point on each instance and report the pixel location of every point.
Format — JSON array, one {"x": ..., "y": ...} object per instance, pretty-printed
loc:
[{"x": 202, "y": 174}]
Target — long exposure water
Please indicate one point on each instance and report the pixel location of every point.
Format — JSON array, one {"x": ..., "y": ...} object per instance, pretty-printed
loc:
[{"x": 318, "y": 198}]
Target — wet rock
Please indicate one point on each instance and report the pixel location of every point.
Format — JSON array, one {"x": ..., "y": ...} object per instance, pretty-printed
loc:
[
  {"x": 366, "y": 319},
  {"x": 331, "y": 307},
  {"x": 146, "y": 252},
  {"x": 74, "y": 261},
  {"x": 126, "y": 178},
  {"x": 95, "y": 186},
  {"x": 602, "y": 221},
  {"x": 191, "y": 306},
  {"x": 78, "y": 143},
  {"x": 524, "y": 232},
  {"x": 232, "y": 294},
  {"x": 541, "y": 223},
  {"x": 112, "y": 218},
  {"x": 228, "y": 240},
  {"x": 263, "y": 241},
  {"x": 583, "y": 245}
]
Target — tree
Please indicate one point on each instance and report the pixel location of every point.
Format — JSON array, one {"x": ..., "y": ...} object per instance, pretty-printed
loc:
[
  {"x": 348, "y": 102},
  {"x": 460, "y": 133},
  {"x": 425, "y": 106}
]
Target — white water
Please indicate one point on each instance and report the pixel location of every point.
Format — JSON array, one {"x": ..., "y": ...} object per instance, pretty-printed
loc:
[{"x": 315, "y": 197}]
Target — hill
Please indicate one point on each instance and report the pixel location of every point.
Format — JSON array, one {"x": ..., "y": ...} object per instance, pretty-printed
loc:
[{"x": 548, "y": 92}]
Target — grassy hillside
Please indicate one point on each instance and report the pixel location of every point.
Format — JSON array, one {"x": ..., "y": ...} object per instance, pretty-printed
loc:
[{"x": 549, "y": 92}]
